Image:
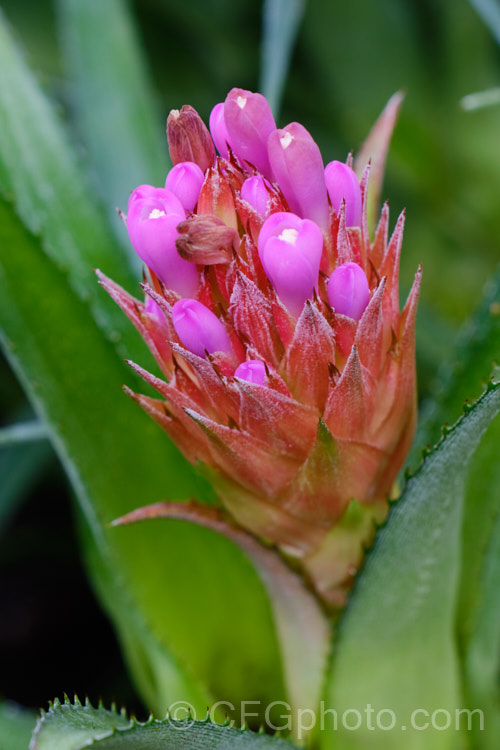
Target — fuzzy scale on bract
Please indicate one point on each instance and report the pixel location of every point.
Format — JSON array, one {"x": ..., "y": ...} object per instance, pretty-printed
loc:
[{"x": 290, "y": 370}]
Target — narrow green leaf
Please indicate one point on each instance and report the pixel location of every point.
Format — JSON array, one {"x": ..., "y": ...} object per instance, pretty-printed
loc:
[
  {"x": 396, "y": 651},
  {"x": 16, "y": 727},
  {"x": 72, "y": 727},
  {"x": 477, "y": 348},
  {"x": 112, "y": 96},
  {"x": 489, "y": 10},
  {"x": 20, "y": 468},
  {"x": 23, "y": 432},
  {"x": 482, "y": 660},
  {"x": 280, "y": 25},
  {"x": 175, "y": 576},
  {"x": 39, "y": 170},
  {"x": 480, "y": 99}
]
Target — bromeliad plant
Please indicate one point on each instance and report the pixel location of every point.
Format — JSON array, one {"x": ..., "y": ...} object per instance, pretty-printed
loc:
[{"x": 307, "y": 593}]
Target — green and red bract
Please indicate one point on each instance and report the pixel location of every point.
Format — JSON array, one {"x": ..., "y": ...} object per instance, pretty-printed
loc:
[{"x": 289, "y": 367}]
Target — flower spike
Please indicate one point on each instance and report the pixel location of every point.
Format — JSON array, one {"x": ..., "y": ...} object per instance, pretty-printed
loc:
[{"x": 290, "y": 369}]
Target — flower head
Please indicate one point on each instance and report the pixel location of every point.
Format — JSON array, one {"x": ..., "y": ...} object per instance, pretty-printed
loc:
[{"x": 275, "y": 319}]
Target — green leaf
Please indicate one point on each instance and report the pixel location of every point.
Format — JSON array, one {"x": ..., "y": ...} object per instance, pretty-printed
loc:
[
  {"x": 482, "y": 660},
  {"x": 72, "y": 727},
  {"x": 172, "y": 576},
  {"x": 489, "y": 10},
  {"x": 16, "y": 727},
  {"x": 396, "y": 649},
  {"x": 40, "y": 172},
  {"x": 22, "y": 432},
  {"x": 477, "y": 348},
  {"x": 304, "y": 631},
  {"x": 20, "y": 468},
  {"x": 110, "y": 89},
  {"x": 280, "y": 25}
]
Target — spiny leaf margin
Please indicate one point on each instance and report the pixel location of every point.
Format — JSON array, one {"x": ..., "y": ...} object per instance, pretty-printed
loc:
[{"x": 73, "y": 726}]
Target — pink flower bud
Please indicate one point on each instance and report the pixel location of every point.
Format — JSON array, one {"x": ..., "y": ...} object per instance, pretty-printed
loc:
[
  {"x": 298, "y": 168},
  {"x": 218, "y": 130},
  {"x": 254, "y": 192},
  {"x": 198, "y": 328},
  {"x": 154, "y": 310},
  {"x": 189, "y": 139},
  {"x": 342, "y": 184},
  {"x": 152, "y": 226},
  {"x": 253, "y": 371},
  {"x": 348, "y": 290},
  {"x": 249, "y": 121},
  {"x": 185, "y": 181},
  {"x": 290, "y": 251},
  {"x": 144, "y": 191}
]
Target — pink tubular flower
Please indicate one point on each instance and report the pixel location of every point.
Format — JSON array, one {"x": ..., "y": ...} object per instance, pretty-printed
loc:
[
  {"x": 249, "y": 121},
  {"x": 298, "y": 167},
  {"x": 152, "y": 219},
  {"x": 342, "y": 184},
  {"x": 198, "y": 328},
  {"x": 348, "y": 290},
  {"x": 290, "y": 251},
  {"x": 290, "y": 367},
  {"x": 218, "y": 130},
  {"x": 255, "y": 191},
  {"x": 185, "y": 181},
  {"x": 253, "y": 371}
]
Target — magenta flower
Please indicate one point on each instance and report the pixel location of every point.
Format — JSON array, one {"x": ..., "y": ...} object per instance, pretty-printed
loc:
[
  {"x": 290, "y": 251},
  {"x": 152, "y": 219},
  {"x": 343, "y": 185},
  {"x": 255, "y": 191},
  {"x": 348, "y": 290},
  {"x": 253, "y": 371},
  {"x": 198, "y": 328},
  {"x": 249, "y": 122},
  {"x": 185, "y": 181},
  {"x": 297, "y": 164},
  {"x": 218, "y": 130}
]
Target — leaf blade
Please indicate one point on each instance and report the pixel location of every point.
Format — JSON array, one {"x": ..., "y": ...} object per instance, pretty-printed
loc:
[
  {"x": 118, "y": 123},
  {"x": 281, "y": 21},
  {"x": 116, "y": 458},
  {"x": 72, "y": 727},
  {"x": 398, "y": 631},
  {"x": 40, "y": 172}
]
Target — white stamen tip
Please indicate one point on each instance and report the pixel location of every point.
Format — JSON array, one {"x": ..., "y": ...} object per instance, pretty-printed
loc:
[
  {"x": 289, "y": 235},
  {"x": 241, "y": 101},
  {"x": 286, "y": 139},
  {"x": 156, "y": 213}
]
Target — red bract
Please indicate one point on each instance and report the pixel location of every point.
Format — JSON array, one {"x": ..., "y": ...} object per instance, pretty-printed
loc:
[{"x": 306, "y": 414}]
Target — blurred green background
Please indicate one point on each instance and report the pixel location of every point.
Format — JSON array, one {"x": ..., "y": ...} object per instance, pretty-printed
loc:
[{"x": 443, "y": 166}]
